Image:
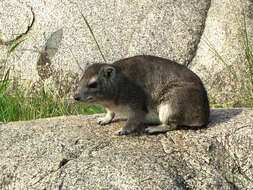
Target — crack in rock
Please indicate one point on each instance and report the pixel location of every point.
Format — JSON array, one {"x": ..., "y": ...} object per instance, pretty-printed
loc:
[
  {"x": 194, "y": 51},
  {"x": 61, "y": 185},
  {"x": 98, "y": 147},
  {"x": 22, "y": 35},
  {"x": 63, "y": 162}
]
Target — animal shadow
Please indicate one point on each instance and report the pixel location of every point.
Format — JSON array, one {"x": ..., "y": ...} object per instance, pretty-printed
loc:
[{"x": 217, "y": 116}]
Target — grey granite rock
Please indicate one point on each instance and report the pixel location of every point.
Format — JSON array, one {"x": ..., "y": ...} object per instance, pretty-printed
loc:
[
  {"x": 122, "y": 28},
  {"x": 225, "y": 77},
  {"x": 75, "y": 153},
  {"x": 16, "y": 18},
  {"x": 178, "y": 30}
]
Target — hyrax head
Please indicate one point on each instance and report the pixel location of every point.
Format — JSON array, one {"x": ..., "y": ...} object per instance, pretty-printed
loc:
[{"x": 96, "y": 85}]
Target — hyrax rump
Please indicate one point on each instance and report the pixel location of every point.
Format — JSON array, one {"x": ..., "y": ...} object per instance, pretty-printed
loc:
[{"x": 146, "y": 89}]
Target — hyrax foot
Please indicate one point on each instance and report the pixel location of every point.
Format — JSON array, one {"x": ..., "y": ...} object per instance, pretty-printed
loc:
[
  {"x": 123, "y": 132},
  {"x": 103, "y": 120},
  {"x": 107, "y": 119},
  {"x": 160, "y": 129}
]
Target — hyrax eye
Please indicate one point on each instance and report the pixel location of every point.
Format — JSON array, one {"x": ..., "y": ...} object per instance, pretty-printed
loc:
[{"x": 92, "y": 85}]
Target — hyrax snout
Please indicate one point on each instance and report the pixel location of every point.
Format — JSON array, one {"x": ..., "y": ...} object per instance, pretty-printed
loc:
[{"x": 146, "y": 90}]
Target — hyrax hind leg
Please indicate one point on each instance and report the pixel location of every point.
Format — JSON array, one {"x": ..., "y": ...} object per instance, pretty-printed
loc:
[{"x": 166, "y": 117}]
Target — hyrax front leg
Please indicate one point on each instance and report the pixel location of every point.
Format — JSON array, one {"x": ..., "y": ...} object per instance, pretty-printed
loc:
[
  {"x": 107, "y": 118},
  {"x": 134, "y": 121}
]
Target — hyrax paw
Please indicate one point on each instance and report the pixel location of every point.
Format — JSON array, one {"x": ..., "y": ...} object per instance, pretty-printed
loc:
[
  {"x": 123, "y": 132},
  {"x": 160, "y": 129},
  {"x": 103, "y": 121},
  {"x": 150, "y": 130}
]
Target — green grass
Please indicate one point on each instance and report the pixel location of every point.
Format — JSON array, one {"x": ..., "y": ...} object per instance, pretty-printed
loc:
[
  {"x": 242, "y": 97},
  {"x": 93, "y": 36},
  {"x": 16, "y": 105}
]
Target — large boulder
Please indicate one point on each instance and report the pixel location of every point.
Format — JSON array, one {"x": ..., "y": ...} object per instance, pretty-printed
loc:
[
  {"x": 58, "y": 44},
  {"x": 122, "y": 29},
  {"x": 220, "y": 60},
  {"x": 76, "y": 153}
]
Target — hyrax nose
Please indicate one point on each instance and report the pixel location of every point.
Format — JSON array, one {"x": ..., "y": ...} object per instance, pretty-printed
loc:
[{"x": 77, "y": 97}]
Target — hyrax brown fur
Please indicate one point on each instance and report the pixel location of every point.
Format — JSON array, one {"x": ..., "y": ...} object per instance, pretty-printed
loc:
[{"x": 146, "y": 89}]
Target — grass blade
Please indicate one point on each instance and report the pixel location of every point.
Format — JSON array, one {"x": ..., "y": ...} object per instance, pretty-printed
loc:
[
  {"x": 4, "y": 81},
  {"x": 86, "y": 22},
  {"x": 15, "y": 46}
]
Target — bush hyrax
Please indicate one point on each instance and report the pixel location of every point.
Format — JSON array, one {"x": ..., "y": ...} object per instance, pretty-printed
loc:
[{"x": 146, "y": 89}]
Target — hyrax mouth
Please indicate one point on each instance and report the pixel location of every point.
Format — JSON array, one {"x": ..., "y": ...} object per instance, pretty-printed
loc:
[
  {"x": 77, "y": 97},
  {"x": 88, "y": 99}
]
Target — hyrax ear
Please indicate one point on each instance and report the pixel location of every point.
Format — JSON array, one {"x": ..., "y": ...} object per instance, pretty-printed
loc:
[{"x": 109, "y": 72}]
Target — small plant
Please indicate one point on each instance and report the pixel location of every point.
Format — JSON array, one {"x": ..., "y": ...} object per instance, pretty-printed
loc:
[
  {"x": 242, "y": 86},
  {"x": 93, "y": 36},
  {"x": 17, "y": 105},
  {"x": 244, "y": 97}
]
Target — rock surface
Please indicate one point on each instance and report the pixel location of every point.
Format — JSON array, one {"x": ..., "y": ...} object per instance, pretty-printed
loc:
[
  {"x": 122, "y": 29},
  {"x": 75, "y": 153},
  {"x": 178, "y": 30},
  {"x": 16, "y": 18},
  {"x": 227, "y": 75}
]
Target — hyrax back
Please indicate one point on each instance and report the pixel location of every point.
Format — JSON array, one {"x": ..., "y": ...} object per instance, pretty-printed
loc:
[{"x": 146, "y": 89}]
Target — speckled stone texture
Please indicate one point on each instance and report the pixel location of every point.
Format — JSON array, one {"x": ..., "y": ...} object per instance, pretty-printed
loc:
[
  {"x": 75, "y": 153},
  {"x": 187, "y": 31},
  {"x": 122, "y": 29},
  {"x": 220, "y": 60}
]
